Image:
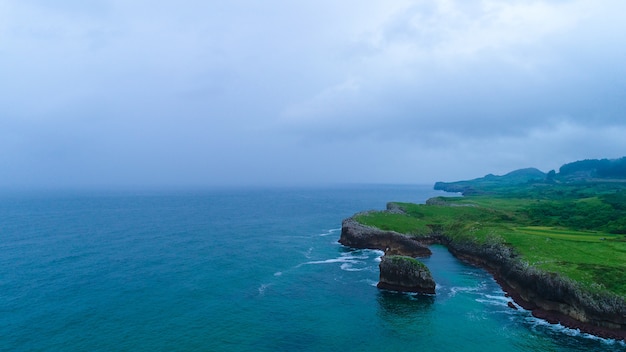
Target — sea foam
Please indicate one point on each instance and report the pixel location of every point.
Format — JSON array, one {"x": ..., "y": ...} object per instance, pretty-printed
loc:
[{"x": 329, "y": 232}]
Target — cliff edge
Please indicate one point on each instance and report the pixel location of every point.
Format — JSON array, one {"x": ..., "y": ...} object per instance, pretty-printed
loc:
[{"x": 356, "y": 235}]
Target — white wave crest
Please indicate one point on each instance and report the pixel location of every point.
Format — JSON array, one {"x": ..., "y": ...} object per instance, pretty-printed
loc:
[
  {"x": 329, "y": 232},
  {"x": 379, "y": 254},
  {"x": 372, "y": 282},
  {"x": 346, "y": 259},
  {"x": 348, "y": 267},
  {"x": 334, "y": 260},
  {"x": 262, "y": 289},
  {"x": 560, "y": 329},
  {"x": 456, "y": 289},
  {"x": 493, "y": 302},
  {"x": 501, "y": 299}
]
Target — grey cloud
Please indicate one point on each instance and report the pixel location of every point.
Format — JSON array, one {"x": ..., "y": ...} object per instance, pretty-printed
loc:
[
  {"x": 488, "y": 92},
  {"x": 205, "y": 93}
]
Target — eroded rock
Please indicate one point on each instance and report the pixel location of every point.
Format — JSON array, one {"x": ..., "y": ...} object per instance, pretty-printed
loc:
[
  {"x": 356, "y": 235},
  {"x": 406, "y": 274}
]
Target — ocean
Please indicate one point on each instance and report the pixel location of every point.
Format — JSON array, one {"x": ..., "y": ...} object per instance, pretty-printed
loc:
[{"x": 237, "y": 270}]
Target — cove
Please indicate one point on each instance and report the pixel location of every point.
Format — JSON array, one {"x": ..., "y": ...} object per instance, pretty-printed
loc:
[
  {"x": 468, "y": 305},
  {"x": 469, "y": 312}
]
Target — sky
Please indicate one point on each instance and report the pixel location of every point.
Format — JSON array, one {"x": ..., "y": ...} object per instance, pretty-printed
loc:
[{"x": 196, "y": 93}]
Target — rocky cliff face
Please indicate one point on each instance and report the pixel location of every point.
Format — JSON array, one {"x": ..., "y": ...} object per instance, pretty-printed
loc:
[
  {"x": 356, "y": 235},
  {"x": 549, "y": 296},
  {"x": 406, "y": 274}
]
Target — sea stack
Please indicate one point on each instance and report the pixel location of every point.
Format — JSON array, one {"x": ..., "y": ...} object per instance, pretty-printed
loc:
[{"x": 405, "y": 274}]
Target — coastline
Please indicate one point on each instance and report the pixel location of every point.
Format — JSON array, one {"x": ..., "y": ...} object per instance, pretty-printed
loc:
[
  {"x": 537, "y": 301},
  {"x": 551, "y": 316}
]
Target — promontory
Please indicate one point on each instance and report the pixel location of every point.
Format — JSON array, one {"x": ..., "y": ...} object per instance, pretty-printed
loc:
[{"x": 555, "y": 242}]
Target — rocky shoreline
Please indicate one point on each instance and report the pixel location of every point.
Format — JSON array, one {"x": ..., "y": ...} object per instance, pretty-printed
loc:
[{"x": 547, "y": 296}]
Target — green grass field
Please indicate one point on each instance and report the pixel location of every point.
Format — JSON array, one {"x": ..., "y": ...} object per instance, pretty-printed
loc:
[{"x": 595, "y": 259}]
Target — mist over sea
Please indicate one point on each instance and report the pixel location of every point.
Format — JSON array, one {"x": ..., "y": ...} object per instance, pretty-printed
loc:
[{"x": 237, "y": 270}]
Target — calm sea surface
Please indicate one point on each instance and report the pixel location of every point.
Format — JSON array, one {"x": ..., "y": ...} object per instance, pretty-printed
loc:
[{"x": 236, "y": 270}]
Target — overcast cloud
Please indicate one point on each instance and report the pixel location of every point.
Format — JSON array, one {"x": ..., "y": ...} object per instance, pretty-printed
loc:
[{"x": 193, "y": 93}]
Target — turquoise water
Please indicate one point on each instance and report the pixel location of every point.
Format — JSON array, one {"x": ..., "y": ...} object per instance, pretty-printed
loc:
[{"x": 236, "y": 270}]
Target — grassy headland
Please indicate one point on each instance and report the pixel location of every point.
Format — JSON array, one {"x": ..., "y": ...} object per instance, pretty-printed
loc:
[{"x": 571, "y": 224}]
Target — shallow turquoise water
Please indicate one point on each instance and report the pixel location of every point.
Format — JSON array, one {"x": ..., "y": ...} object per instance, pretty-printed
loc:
[{"x": 236, "y": 270}]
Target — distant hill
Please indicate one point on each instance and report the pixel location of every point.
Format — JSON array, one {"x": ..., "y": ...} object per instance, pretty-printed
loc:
[
  {"x": 596, "y": 170},
  {"x": 489, "y": 182}
]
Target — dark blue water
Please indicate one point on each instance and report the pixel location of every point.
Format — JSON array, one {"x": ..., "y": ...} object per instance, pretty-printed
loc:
[{"x": 236, "y": 270}]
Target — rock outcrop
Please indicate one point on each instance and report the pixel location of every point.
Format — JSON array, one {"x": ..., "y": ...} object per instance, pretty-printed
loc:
[
  {"x": 405, "y": 274},
  {"x": 356, "y": 235}
]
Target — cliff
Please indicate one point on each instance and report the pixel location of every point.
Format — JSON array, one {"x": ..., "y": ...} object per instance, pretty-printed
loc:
[
  {"x": 547, "y": 295},
  {"x": 356, "y": 235}
]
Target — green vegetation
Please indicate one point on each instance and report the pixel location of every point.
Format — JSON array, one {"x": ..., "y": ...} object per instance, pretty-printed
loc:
[
  {"x": 408, "y": 262},
  {"x": 572, "y": 223},
  {"x": 593, "y": 259}
]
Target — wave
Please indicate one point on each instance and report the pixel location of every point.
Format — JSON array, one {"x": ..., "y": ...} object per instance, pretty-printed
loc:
[
  {"x": 537, "y": 324},
  {"x": 348, "y": 267},
  {"x": 346, "y": 259},
  {"x": 379, "y": 254},
  {"x": 329, "y": 232},
  {"x": 371, "y": 282},
  {"x": 351, "y": 260},
  {"x": 456, "y": 289},
  {"x": 262, "y": 289},
  {"x": 334, "y": 260},
  {"x": 494, "y": 300},
  {"x": 361, "y": 255},
  {"x": 474, "y": 273},
  {"x": 498, "y": 298}
]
